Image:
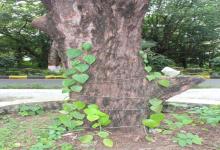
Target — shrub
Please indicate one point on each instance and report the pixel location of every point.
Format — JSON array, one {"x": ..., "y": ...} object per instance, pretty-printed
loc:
[{"x": 216, "y": 64}]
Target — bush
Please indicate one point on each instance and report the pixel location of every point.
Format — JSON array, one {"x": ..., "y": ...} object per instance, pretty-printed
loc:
[
  {"x": 7, "y": 60},
  {"x": 157, "y": 61},
  {"x": 216, "y": 64}
]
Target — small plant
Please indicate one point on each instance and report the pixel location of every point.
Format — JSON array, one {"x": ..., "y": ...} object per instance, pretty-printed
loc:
[
  {"x": 181, "y": 121},
  {"x": 209, "y": 115},
  {"x": 30, "y": 110},
  {"x": 77, "y": 75},
  {"x": 156, "y": 116},
  {"x": 67, "y": 146},
  {"x": 152, "y": 75},
  {"x": 185, "y": 139}
]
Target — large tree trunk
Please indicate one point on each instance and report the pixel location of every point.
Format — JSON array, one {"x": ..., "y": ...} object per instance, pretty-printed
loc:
[{"x": 117, "y": 81}]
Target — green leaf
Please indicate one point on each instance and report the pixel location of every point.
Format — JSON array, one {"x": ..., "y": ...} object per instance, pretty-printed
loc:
[
  {"x": 148, "y": 68},
  {"x": 66, "y": 90},
  {"x": 157, "y": 117},
  {"x": 164, "y": 83},
  {"x": 78, "y": 115},
  {"x": 67, "y": 146},
  {"x": 92, "y": 118},
  {"x": 82, "y": 67},
  {"x": 108, "y": 143},
  {"x": 81, "y": 78},
  {"x": 69, "y": 72},
  {"x": 155, "y": 102},
  {"x": 156, "y": 108},
  {"x": 75, "y": 63},
  {"x": 76, "y": 88},
  {"x": 197, "y": 140},
  {"x": 150, "y": 77},
  {"x": 95, "y": 125},
  {"x": 90, "y": 59},
  {"x": 86, "y": 139},
  {"x": 182, "y": 143},
  {"x": 157, "y": 74},
  {"x": 68, "y": 82},
  {"x": 105, "y": 121},
  {"x": 68, "y": 107},
  {"x": 91, "y": 111},
  {"x": 79, "y": 105},
  {"x": 73, "y": 53},
  {"x": 93, "y": 106},
  {"x": 87, "y": 46},
  {"x": 150, "y": 123},
  {"x": 77, "y": 122},
  {"x": 103, "y": 134}
]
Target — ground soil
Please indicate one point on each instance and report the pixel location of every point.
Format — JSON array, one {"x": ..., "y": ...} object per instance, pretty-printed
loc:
[{"x": 124, "y": 139}]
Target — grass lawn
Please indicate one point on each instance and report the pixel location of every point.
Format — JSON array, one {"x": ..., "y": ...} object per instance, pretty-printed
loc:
[{"x": 21, "y": 133}]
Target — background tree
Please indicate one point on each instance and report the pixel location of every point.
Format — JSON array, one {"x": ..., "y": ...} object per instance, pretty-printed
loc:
[
  {"x": 187, "y": 31},
  {"x": 17, "y": 37}
]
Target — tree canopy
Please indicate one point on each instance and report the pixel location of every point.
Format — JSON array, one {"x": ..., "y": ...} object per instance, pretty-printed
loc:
[
  {"x": 17, "y": 37},
  {"x": 187, "y": 31}
]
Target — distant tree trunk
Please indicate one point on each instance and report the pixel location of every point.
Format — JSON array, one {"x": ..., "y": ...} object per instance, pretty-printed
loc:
[{"x": 117, "y": 81}]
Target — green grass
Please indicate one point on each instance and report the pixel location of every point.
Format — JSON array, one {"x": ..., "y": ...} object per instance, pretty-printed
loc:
[
  {"x": 21, "y": 132},
  {"x": 29, "y": 86}
]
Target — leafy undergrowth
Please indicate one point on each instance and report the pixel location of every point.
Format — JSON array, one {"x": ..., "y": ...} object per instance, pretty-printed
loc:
[{"x": 192, "y": 129}]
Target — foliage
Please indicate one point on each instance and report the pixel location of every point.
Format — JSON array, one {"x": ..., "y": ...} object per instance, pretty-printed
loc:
[
  {"x": 185, "y": 31},
  {"x": 215, "y": 62},
  {"x": 180, "y": 121},
  {"x": 185, "y": 139},
  {"x": 153, "y": 75},
  {"x": 156, "y": 60},
  {"x": 77, "y": 75},
  {"x": 17, "y": 36},
  {"x": 67, "y": 146},
  {"x": 156, "y": 117},
  {"x": 7, "y": 60},
  {"x": 30, "y": 110},
  {"x": 209, "y": 115}
]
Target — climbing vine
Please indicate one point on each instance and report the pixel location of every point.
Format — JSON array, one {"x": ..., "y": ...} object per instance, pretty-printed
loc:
[
  {"x": 156, "y": 105},
  {"x": 75, "y": 115},
  {"x": 80, "y": 62}
]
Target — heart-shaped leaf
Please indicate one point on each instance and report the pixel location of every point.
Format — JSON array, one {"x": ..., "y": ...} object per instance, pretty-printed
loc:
[
  {"x": 90, "y": 59},
  {"x": 76, "y": 88},
  {"x": 73, "y": 53},
  {"x": 150, "y": 77},
  {"x": 157, "y": 117},
  {"x": 79, "y": 105},
  {"x": 164, "y": 83},
  {"x": 81, "y": 78},
  {"x": 68, "y": 82},
  {"x": 155, "y": 102},
  {"x": 156, "y": 108},
  {"x": 69, "y": 72},
  {"x": 75, "y": 63},
  {"x": 66, "y": 90},
  {"x": 87, "y": 46},
  {"x": 82, "y": 67},
  {"x": 86, "y": 139},
  {"x": 92, "y": 118},
  {"x": 103, "y": 134},
  {"x": 78, "y": 115},
  {"x": 148, "y": 68},
  {"x": 108, "y": 142},
  {"x": 150, "y": 123}
]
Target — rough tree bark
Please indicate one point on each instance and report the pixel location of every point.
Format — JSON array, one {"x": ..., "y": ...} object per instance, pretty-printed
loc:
[{"x": 117, "y": 81}]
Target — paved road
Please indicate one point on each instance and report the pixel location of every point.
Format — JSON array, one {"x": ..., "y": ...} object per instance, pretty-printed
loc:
[
  {"x": 31, "y": 84},
  {"x": 198, "y": 96},
  {"x": 57, "y": 84},
  {"x": 210, "y": 83}
]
